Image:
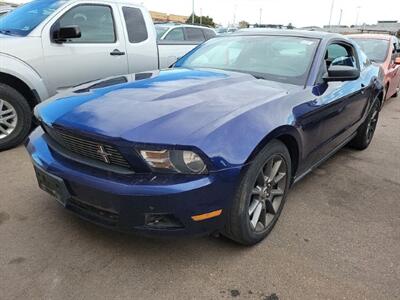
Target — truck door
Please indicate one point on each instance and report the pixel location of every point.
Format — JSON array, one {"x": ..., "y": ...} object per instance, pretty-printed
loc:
[
  {"x": 98, "y": 53},
  {"x": 140, "y": 39}
]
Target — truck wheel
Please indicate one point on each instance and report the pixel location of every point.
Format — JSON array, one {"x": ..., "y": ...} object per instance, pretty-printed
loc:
[{"x": 15, "y": 117}]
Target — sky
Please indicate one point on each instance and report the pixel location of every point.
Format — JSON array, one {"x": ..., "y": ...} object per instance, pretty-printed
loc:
[{"x": 298, "y": 12}]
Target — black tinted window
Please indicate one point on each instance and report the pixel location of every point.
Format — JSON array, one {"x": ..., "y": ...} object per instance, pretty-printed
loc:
[
  {"x": 95, "y": 22},
  {"x": 135, "y": 25},
  {"x": 194, "y": 34},
  {"x": 209, "y": 34},
  {"x": 175, "y": 35}
]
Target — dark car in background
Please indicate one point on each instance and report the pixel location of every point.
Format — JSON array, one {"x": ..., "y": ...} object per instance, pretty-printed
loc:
[{"x": 213, "y": 144}]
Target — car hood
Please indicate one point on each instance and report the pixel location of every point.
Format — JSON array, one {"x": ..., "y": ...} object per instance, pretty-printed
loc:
[{"x": 165, "y": 108}]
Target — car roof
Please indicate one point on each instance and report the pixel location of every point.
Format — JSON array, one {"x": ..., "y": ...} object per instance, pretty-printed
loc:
[
  {"x": 289, "y": 32},
  {"x": 175, "y": 25},
  {"x": 386, "y": 37}
]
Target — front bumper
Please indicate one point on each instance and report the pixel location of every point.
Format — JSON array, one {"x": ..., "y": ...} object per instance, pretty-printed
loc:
[{"x": 125, "y": 202}]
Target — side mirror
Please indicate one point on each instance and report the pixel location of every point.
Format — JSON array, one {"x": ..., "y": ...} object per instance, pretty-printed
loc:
[
  {"x": 342, "y": 73},
  {"x": 65, "y": 33},
  {"x": 397, "y": 60}
]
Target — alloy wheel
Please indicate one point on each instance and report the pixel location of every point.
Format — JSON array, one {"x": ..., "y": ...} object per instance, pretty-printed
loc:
[
  {"x": 8, "y": 119},
  {"x": 267, "y": 193},
  {"x": 373, "y": 121}
]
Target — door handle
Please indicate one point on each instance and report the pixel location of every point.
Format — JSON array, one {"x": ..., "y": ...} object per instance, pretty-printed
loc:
[{"x": 116, "y": 52}]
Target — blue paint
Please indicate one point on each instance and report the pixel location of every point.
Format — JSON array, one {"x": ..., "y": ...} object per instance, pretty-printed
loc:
[{"x": 224, "y": 116}]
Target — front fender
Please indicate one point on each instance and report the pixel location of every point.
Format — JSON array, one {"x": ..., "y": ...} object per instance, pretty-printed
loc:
[
  {"x": 15, "y": 67},
  {"x": 238, "y": 141}
]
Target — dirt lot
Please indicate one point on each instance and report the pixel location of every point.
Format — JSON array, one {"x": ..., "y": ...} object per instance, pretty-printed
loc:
[{"x": 338, "y": 237}]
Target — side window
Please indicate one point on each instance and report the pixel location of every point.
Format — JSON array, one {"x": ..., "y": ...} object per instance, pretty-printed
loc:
[
  {"x": 175, "y": 35},
  {"x": 194, "y": 34},
  {"x": 342, "y": 55},
  {"x": 95, "y": 22},
  {"x": 135, "y": 25},
  {"x": 209, "y": 34},
  {"x": 338, "y": 54}
]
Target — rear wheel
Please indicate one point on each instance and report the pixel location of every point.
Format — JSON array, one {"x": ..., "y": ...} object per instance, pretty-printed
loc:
[
  {"x": 15, "y": 117},
  {"x": 261, "y": 195},
  {"x": 366, "y": 132}
]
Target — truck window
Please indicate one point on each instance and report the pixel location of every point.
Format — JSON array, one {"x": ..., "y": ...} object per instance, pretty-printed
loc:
[
  {"x": 194, "y": 34},
  {"x": 175, "y": 35},
  {"x": 96, "y": 23},
  {"x": 135, "y": 25}
]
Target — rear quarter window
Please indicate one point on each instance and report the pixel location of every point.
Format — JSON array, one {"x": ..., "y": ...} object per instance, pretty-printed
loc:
[
  {"x": 194, "y": 34},
  {"x": 209, "y": 34},
  {"x": 135, "y": 25}
]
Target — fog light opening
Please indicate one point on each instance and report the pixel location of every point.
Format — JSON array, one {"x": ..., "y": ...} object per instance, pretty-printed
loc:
[{"x": 163, "y": 221}]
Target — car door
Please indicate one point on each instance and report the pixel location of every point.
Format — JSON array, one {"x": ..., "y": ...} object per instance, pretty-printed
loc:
[
  {"x": 338, "y": 107},
  {"x": 98, "y": 53}
]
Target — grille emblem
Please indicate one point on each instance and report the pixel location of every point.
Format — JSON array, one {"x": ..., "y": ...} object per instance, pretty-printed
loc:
[{"x": 104, "y": 154}]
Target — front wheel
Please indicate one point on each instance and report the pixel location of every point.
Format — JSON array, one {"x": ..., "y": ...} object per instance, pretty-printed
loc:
[
  {"x": 261, "y": 195},
  {"x": 15, "y": 117},
  {"x": 366, "y": 131}
]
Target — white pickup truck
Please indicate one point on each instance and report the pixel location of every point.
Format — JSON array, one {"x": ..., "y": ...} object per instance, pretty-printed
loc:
[{"x": 47, "y": 45}]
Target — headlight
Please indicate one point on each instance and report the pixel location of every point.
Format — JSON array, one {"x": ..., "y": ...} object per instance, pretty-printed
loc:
[{"x": 179, "y": 161}]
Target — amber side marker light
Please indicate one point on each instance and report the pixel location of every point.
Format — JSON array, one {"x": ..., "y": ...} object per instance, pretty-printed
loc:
[{"x": 206, "y": 216}]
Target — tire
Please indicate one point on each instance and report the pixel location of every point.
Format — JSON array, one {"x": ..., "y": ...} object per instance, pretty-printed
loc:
[
  {"x": 13, "y": 130},
  {"x": 397, "y": 92},
  {"x": 254, "y": 191},
  {"x": 366, "y": 131}
]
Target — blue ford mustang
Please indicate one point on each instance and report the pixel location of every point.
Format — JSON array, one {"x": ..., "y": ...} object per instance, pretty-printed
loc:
[{"x": 212, "y": 144}]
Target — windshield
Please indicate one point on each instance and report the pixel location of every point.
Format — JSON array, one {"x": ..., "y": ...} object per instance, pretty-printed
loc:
[
  {"x": 161, "y": 30},
  {"x": 277, "y": 58},
  {"x": 375, "y": 49},
  {"x": 24, "y": 19}
]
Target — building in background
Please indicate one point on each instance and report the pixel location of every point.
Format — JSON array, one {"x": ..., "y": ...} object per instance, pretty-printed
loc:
[
  {"x": 388, "y": 27},
  {"x": 159, "y": 17}
]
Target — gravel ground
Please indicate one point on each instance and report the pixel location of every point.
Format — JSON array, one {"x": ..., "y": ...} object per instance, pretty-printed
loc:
[{"x": 338, "y": 238}]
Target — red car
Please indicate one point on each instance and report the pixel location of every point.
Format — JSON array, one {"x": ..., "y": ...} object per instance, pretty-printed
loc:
[{"x": 384, "y": 50}]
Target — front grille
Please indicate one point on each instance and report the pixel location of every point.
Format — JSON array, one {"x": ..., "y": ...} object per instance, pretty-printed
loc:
[{"x": 105, "y": 154}]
